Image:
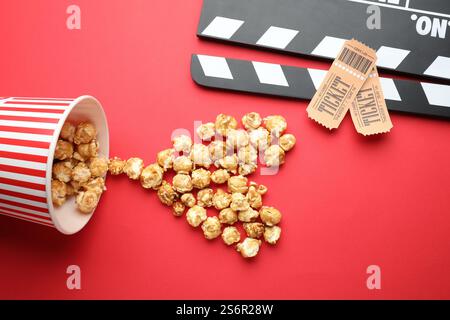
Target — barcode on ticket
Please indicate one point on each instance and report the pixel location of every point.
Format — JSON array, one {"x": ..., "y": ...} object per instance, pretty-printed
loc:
[{"x": 355, "y": 60}]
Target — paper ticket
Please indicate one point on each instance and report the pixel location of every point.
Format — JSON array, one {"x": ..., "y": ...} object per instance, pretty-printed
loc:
[
  {"x": 369, "y": 111},
  {"x": 342, "y": 83}
]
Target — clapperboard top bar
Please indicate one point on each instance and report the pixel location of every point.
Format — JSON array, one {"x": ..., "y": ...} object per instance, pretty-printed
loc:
[
  {"x": 412, "y": 97},
  {"x": 414, "y": 35}
]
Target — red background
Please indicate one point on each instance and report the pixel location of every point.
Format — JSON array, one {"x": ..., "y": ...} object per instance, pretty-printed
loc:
[{"x": 348, "y": 201}]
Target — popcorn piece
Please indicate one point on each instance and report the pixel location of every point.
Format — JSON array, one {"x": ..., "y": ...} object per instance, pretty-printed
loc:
[
  {"x": 188, "y": 200},
  {"x": 196, "y": 215},
  {"x": 87, "y": 201},
  {"x": 262, "y": 189},
  {"x": 116, "y": 166},
  {"x": 246, "y": 168},
  {"x": 274, "y": 156},
  {"x": 201, "y": 178},
  {"x": 259, "y": 138},
  {"x": 254, "y": 229},
  {"x": 254, "y": 197},
  {"x": 85, "y": 133},
  {"x": 211, "y": 228},
  {"x": 217, "y": 150},
  {"x": 165, "y": 158},
  {"x": 76, "y": 186},
  {"x": 251, "y": 120},
  {"x": 178, "y": 208},
  {"x": 272, "y": 234},
  {"x": 270, "y": 216},
  {"x": 220, "y": 176},
  {"x": 96, "y": 185},
  {"x": 152, "y": 176},
  {"x": 249, "y": 248},
  {"x": 70, "y": 191},
  {"x": 67, "y": 131},
  {"x": 200, "y": 155},
  {"x": 229, "y": 163},
  {"x": 182, "y": 183},
  {"x": 231, "y": 235},
  {"x": 182, "y": 143},
  {"x": 133, "y": 168},
  {"x": 167, "y": 194},
  {"x": 182, "y": 164},
  {"x": 98, "y": 167},
  {"x": 228, "y": 216},
  {"x": 237, "y": 184},
  {"x": 287, "y": 141},
  {"x": 205, "y": 198},
  {"x": 248, "y": 215},
  {"x": 224, "y": 123},
  {"x": 86, "y": 151},
  {"x": 239, "y": 202},
  {"x": 59, "y": 192},
  {"x": 275, "y": 124},
  {"x": 221, "y": 199},
  {"x": 247, "y": 154},
  {"x": 62, "y": 171},
  {"x": 63, "y": 150},
  {"x": 237, "y": 138},
  {"x": 81, "y": 173},
  {"x": 206, "y": 131}
]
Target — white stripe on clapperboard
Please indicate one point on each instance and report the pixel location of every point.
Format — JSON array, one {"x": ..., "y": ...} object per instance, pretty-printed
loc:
[{"x": 268, "y": 73}]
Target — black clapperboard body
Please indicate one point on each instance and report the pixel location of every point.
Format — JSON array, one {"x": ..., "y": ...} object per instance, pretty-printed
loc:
[{"x": 414, "y": 38}]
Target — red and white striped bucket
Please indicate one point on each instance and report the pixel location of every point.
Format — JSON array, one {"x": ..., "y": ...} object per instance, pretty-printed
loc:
[{"x": 29, "y": 130}]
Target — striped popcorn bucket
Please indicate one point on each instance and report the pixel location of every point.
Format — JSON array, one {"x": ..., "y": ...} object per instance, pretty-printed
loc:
[{"x": 29, "y": 131}]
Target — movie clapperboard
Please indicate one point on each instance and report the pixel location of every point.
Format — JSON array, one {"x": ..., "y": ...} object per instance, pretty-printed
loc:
[{"x": 413, "y": 38}]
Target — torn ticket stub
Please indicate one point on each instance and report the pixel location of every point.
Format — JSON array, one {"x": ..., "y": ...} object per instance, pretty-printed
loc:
[
  {"x": 339, "y": 89},
  {"x": 369, "y": 111}
]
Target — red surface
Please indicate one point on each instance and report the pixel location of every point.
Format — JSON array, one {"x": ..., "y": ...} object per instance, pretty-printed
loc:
[{"x": 348, "y": 201}]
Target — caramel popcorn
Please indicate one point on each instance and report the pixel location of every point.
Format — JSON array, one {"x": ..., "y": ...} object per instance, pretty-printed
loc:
[
  {"x": 259, "y": 138},
  {"x": 228, "y": 216},
  {"x": 182, "y": 143},
  {"x": 98, "y": 167},
  {"x": 254, "y": 197},
  {"x": 274, "y": 156},
  {"x": 152, "y": 176},
  {"x": 262, "y": 189},
  {"x": 182, "y": 164},
  {"x": 239, "y": 202},
  {"x": 217, "y": 150},
  {"x": 87, "y": 201},
  {"x": 224, "y": 123},
  {"x": 188, "y": 200},
  {"x": 67, "y": 131},
  {"x": 205, "y": 198},
  {"x": 59, "y": 192},
  {"x": 178, "y": 208},
  {"x": 62, "y": 171},
  {"x": 63, "y": 150},
  {"x": 220, "y": 176},
  {"x": 246, "y": 168},
  {"x": 196, "y": 215},
  {"x": 182, "y": 182},
  {"x": 231, "y": 235},
  {"x": 272, "y": 234},
  {"x": 287, "y": 141},
  {"x": 165, "y": 158},
  {"x": 70, "y": 191},
  {"x": 221, "y": 199},
  {"x": 84, "y": 133},
  {"x": 251, "y": 120},
  {"x": 254, "y": 229},
  {"x": 276, "y": 124},
  {"x": 116, "y": 166},
  {"x": 237, "y": 184},
  {"x": 133, "y": 168},
  {"x": 237, "y": 138},
  {"x": 85, "y": 151},
  {"x": 200, "y": 155},
  {"x": 206, "y": 131},
  {"x": 81, "y": 173},
  {"x": 270, "y": 216},
  {"x": 96, "y": 185},
  {"x": 201, "y": 178},
  {"x": 229, "y": 163},
  {"x": 167, "y": 194},
  {"x": 248, "y": 155},
  {"x": 248, "y": 215},
  {"x": 211, "y": 228},
  {"x": 249, "y": 248}
]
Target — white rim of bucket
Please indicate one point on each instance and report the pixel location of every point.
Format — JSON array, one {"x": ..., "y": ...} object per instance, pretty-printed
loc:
[{"x": 48, "y": 176}]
